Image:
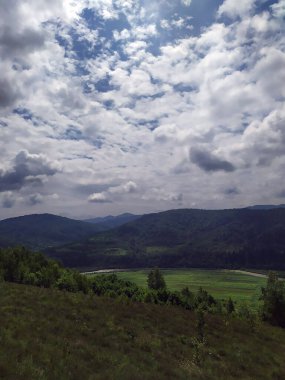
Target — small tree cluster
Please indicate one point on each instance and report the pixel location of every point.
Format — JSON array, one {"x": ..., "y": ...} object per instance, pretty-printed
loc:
[
  {"x": 273, "y": 296},
  {"x": 22, "y": 266}
]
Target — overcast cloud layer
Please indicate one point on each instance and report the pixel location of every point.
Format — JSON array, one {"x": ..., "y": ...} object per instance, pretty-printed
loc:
[{"x": 108, "y": 106}]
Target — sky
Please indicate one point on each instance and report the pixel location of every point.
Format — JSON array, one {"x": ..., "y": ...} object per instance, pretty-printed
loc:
[{"x": 113, "y": 106}]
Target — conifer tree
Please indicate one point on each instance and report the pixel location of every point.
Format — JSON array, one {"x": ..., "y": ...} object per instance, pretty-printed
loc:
[{"x": 155, "y": 280}]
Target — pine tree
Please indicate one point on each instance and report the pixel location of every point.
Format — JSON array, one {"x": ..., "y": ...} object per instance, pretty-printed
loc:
[
  {"x": 230, "y": 306},
  {"x": 155, "y": 280}
]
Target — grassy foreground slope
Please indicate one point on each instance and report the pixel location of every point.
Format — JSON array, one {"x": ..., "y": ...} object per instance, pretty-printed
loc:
[{"x": 48, "y": 334}]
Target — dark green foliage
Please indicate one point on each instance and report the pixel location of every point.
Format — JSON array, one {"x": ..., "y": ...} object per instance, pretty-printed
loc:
[
  {"x": 204, "y": 300},
  {"x": 155, "y": 280},
  {"x": 186, "y": 238},
  {"x": 230, "y": 306},
  {"x": 110, "y": 285},
  {"x": 22, "y": 266},
  {"x": 188, "y": 298},
  {"x": 246, "y": 313},
  {"x": 19, "y": 265},
  {"x": 273, "y": 296}
]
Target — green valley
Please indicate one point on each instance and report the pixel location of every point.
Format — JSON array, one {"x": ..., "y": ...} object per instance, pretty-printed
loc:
[{"x": 222, "y": 284}]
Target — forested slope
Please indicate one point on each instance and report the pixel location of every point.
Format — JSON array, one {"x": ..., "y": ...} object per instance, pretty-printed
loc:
[{"x": 203, "y": 238}]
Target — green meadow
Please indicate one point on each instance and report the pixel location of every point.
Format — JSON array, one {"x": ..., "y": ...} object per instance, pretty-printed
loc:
[{"x": 222, "y": 284}]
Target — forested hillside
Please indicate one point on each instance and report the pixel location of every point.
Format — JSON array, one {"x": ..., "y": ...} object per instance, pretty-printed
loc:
[
  {"x": 39, "y": 231},
  {"x": 111, "y": 221},
  {"x": 202, "y": 238}
]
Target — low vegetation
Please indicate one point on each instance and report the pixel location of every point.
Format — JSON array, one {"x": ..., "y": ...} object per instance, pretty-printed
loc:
[
  {"x": 69, "y": 326},
  {"x": 22, "y": 266},
  {"x": 51, "y": 334}
]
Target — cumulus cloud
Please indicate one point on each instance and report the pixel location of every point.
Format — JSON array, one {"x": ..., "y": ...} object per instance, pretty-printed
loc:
[
  {"x": 264, "y": 140},
  {"x": 99, "y": 198},
  {"x": 209, "y": 162},
  {"x": 8, "y": 93},
  {"x": 118, "y": 90},
  {"x": 15, "y": 44},
  {"x": 113, "y": 192},
  {"x": 232, "y": 191},
  {"x": 27, "y": 169},
  {"x": 35, "y": 199},
  {"x": 8, "y": 199},
  {"x": 162, "y": 195},
  {"x": 127, "y": 188},
  {"x": 186, "y": 2},
  {"x": 233, "y": 8},
  {"x": 279, "y": 9}
]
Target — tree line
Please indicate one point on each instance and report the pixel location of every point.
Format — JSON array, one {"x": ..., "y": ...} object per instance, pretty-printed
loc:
[{"x": 25, "y": 267}]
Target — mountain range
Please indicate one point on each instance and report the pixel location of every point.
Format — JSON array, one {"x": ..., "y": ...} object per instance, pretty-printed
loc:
[
  {"x": 40, "y": 231},
  {"x": 111, "y": 221},
  {"x": 185, "y": 237},
  {"x": 248, "y": 237}
]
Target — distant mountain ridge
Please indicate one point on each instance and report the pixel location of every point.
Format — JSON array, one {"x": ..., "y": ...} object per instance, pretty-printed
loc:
[
  {"x": 187, "y": 237},
  {"x": 111, "y": 221},
  {"x": 38, "y": 231},
  {"x": 248, "y": 237},
  {"x": 265, "y": 207}
]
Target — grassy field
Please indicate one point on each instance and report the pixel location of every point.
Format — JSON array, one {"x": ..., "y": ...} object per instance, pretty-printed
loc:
[
  {"x": 48, "y": 334},
  {"x": 221, "y": 284},
  {"x": 280, "y": 273}
]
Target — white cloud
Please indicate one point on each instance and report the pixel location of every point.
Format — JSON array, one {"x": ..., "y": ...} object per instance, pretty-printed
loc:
[
  {"x": 35, "y": 199},
  {"x": 279, "y": 9},
  {"x": 113, "y": 192},
  {"x": 214, "y": 92},
  {"x": 8, "y": 199},
  {"x": 145, "y": 31},
  {"x": 186, "y": 2},
  {"x": 233, "y": 8},
  {"x": 98, "y": 198},
  {"x": 128, "y": 188},
  {"x": 123, "y": 35}
]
